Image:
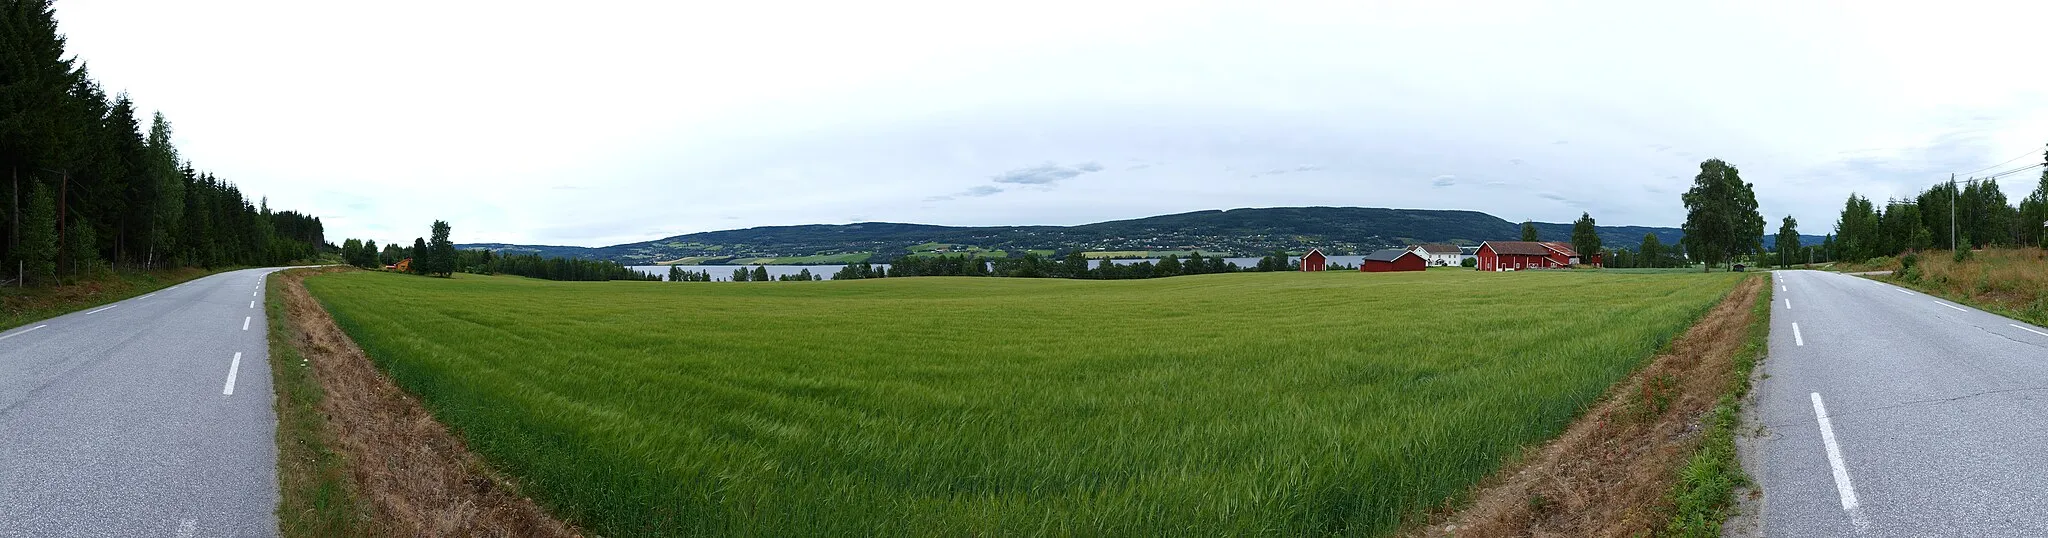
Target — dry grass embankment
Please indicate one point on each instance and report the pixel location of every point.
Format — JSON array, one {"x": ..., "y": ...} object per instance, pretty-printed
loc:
[
  {"x": 2009, "y": 282},
  {"x": 359, "y": 457},
  {"x": 1617, "y": 470}
]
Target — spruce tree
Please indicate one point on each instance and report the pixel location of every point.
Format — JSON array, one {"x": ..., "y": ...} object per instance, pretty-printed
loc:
[
  {"x": 441, "y": 251},
  {"x": 418, "y": 255},
  {"x": 84, "y": 247},
  {"x": 1529, "y": 230},
  {"x": 760, "y": 273},
  {"x": 37, "y": 253}
]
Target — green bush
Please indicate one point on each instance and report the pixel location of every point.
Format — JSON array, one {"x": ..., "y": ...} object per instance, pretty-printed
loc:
[{"x": 1962, "y": 255}]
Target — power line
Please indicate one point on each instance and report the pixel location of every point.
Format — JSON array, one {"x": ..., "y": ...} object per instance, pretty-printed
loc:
[
  {"x": 2012, "y": 171},
  {"x": 2007, "y": 161}
]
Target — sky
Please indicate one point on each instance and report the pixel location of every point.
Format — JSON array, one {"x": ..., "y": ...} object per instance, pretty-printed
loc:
[{"x": 602, "y": 123}]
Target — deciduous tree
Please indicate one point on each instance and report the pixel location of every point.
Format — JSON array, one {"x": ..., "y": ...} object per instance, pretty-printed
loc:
[
  {"x": 1721, "y": 220},
  {"x": 1585, "y": 237},
  {"x": 1788, "y": 240}
]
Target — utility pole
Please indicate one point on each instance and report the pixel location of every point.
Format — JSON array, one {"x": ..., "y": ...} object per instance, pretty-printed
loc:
[{"x": 1951, "y": 211}]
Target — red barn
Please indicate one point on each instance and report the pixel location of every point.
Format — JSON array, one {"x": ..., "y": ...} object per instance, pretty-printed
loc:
[
  {"x": 1314, "y": 260},
  {"x": 1393, "y": 259},
  {"x": 1519, "y": 255}
]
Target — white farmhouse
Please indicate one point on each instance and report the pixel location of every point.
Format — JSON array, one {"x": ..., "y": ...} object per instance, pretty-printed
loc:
[{"x": 1439, "y": 254}]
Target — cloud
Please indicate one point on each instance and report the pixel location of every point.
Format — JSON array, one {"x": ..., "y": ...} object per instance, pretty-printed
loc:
[
  {"x": 1279, "y": 171},
  {"x": 1517, "y": 162},
  {"x": 1045, "y": 174},
  {"x": 1552, "y": 196},
  {"x": 976, "y": 191},
  {"x": 1445, "y": 180}
]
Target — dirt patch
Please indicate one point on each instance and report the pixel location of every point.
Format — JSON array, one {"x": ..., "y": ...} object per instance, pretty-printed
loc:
[
  {"x": 417, "y": 477},
  {"x": 1610, "y": 472}
]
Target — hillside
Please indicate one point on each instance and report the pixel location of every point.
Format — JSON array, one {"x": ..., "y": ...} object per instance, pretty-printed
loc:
[{"x": 1338, "y": 230}]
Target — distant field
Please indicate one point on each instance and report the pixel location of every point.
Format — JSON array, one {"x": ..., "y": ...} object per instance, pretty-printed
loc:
[
  {"x": 856, "y": 257},
  {"x": 950, "y": 249},
  {"x": 1251, "y": 403},
  {"x": 1121, "y": 254}
]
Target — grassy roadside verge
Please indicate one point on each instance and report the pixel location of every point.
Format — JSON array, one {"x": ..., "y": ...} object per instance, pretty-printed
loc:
[
  {"x": 1704, "y": 496},
  {"x": 19, "y": 306},
  {"x": 316, "y": 497},
  {"x": 1615, "y": 470},
  {"x": 360, "y": 457}
]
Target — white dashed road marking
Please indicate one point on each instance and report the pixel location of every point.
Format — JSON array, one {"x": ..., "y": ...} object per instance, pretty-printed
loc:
[
  {"x": 4, "y": 337},
  {"x": 1841, "y": 470},
  {"x": 233, "y": 367}
]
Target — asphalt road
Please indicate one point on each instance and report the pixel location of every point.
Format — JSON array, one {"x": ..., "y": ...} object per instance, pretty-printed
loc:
[
  {"x": 1888, "y": 412},
  {"x": 137, "y": 419}
]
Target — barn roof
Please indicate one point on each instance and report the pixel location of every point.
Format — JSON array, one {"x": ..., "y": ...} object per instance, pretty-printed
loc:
[
  {"x": 1387, "y": 255},
  {"x": 1440, "y": 248},
  {"x": 1561, "y": 248},
  {"x": 1519, "y": 248},
  {"x": 1315, "y": 251}
]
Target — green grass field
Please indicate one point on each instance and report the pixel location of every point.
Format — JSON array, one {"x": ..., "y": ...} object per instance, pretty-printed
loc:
[{"x": 1258, "y": 403}]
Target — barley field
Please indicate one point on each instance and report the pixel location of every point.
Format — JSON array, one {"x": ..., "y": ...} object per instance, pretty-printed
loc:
[{"x": 1255, "y": 403}]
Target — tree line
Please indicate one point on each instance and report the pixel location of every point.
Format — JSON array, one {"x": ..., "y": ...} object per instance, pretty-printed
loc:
[
  {"x": 90, "y": 189},
  {"x": 436, "y": 255},
  {"x": 1072, "y": 265},
  {"x": 1949, "y": 214}
]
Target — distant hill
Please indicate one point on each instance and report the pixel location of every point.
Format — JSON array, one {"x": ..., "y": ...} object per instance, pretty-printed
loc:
[{"x": 1337, "y": 230}]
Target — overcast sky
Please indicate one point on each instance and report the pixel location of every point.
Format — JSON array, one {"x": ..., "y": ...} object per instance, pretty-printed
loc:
[{"x": 602, "y": 123}]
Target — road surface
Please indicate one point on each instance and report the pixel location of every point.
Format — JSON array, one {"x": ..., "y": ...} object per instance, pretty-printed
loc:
[
  {"x": 1888, "y": 412},
  {"x": 139, "y": 419}
]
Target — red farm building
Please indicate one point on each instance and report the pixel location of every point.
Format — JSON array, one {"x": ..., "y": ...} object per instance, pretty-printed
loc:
[
  {"x": 1519, "y": 255},
  {"x": 1314, "y": 260},
  {"x": 1393, "y": 259}
]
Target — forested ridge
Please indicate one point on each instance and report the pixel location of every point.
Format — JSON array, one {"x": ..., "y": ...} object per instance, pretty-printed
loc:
[
  {"x": 1250, "y": 231},
  {"x": 90, "y": 188}
]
